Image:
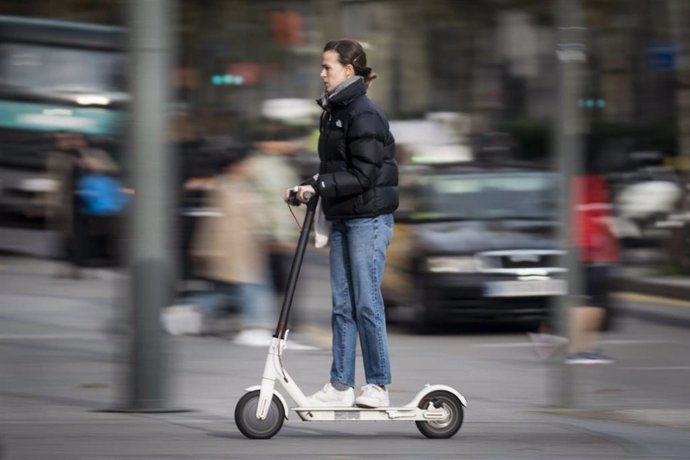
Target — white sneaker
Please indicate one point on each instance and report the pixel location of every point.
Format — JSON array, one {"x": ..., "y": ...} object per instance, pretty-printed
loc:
[
  {"x": 182, "y": 320},
  {"x": 373, "y": 396},
  {"x": 253, "y": 338},
  {"x": 328, "y": 396}
]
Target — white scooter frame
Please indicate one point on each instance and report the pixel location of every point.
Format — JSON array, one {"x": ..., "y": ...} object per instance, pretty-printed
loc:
[{"x": 259, "y": 414}]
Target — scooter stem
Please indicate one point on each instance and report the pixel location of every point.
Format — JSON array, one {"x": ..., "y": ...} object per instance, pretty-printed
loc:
[{"x": 295, "y": 269}]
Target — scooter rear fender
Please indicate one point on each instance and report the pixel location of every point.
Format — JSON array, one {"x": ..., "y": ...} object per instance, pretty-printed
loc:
[{"x": 428, "y": 388}]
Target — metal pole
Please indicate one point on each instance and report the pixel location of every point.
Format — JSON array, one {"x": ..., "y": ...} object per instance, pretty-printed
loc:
[
  {"x": 679, "y": 14},
  {"x": 150, "y": 262},
  {"x": 568, "y": 148},
  {"x": 679, "y": 17}
]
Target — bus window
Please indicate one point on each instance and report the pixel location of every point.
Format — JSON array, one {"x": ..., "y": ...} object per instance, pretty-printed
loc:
[
  {"x": 60, "y": 69},
  {"x": 55, "y": 77}
]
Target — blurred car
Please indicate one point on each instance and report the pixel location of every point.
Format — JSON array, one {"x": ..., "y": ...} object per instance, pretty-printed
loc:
[{"x": 474, "y": 244}]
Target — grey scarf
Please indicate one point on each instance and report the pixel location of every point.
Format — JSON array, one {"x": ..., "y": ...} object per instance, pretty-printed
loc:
[{"x": 327, "y": 96}]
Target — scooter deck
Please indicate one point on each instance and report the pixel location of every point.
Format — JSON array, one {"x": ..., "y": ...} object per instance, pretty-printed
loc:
[
  {"x": 368, "y": 414},
  {"x": 354, "y": 408}
]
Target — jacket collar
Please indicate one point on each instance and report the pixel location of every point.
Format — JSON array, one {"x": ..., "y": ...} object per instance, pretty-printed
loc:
[{"x": 343, "y": 94}]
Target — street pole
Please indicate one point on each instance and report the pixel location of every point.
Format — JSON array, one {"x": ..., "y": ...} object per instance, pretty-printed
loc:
[
  {"x": 150, "y": 166},
  {"x": 680, "y": 31},
  {"x": 568, "y": 148},
  {"x": 679, "y": 15}
]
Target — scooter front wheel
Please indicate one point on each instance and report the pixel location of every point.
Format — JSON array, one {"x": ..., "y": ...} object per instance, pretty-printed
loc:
[
  {"x": 252, "y": 427},
  {"x": 449, "y": 403}
]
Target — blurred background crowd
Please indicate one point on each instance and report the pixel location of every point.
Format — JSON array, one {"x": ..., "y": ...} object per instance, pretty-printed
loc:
[{"x": 469, "y": 87}]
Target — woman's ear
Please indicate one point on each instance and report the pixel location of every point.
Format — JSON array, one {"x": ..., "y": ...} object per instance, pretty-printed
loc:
[{"x": 349, "y": 70}]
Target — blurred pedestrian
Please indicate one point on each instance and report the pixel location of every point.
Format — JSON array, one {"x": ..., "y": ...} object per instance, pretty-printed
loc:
[
  {"x": 65, "y": 167},
  {"x": 598, "y": 250},
  {"x": 357, "y": 185},
  {"x": 102, "y": 200},
  {"x": 229, "y": 252},
  {"x": 60, "y": 168},
  {"x": 192, "y": 176},
  {"x": 273, "y": 149}
]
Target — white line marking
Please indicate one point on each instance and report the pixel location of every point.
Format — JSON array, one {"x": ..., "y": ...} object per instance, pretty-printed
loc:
[
  {"x": 73, "y": 421},
  {"x": 503, "y": 345},
  {"x": 607, "y": 342},
  {"x": 53, "y": 336},
  {"x": 659, "y": 368},
  {"x": 634, "y": 341}
]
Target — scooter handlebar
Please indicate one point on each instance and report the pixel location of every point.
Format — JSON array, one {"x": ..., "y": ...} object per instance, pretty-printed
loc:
[{"x": 292, "y": 198}]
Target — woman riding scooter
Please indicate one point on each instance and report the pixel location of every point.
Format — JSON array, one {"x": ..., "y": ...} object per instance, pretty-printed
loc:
[{"x": 357, "y": 184}]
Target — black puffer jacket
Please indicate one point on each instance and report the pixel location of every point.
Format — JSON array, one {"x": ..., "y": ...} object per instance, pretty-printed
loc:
[{"x": 358, "y": 176}]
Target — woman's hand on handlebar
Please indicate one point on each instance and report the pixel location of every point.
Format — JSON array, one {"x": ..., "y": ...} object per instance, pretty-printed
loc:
[
  {"x": 306, "y": 193},
  {"x": 300, "y": 193}
]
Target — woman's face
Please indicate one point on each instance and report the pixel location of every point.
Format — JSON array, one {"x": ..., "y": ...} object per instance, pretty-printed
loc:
[{"x": 333, "y": 72}]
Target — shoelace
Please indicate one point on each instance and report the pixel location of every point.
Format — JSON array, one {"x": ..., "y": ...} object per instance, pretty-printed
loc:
[{"x": 372, "y": 386}]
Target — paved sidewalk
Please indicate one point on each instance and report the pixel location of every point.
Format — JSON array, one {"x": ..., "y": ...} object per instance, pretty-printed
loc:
[
  {"x": 64, "y": 362},
  {"x": 670, "y": 295}
]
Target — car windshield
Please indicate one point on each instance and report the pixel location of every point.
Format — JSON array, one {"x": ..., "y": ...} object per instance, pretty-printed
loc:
[
  {"x": 530, "y": 195},
  {"x": 60, "y": 69}
]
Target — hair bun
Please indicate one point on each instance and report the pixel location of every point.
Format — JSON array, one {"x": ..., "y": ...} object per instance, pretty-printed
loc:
[{"x": 366, "y": 71}]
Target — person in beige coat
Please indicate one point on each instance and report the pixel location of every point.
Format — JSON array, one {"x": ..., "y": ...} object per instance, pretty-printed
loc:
[
  {"x": 229, "y": 252},
  {"x": 229, "y": 246},
  {"x": 270, "y": 161}
]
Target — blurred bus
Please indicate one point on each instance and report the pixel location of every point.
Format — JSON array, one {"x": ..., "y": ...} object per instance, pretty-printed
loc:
[{"x": 55, "y": 76}]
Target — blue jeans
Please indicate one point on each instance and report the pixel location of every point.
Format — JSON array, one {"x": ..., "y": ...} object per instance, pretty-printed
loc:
[{"x": 357, "y": 258}]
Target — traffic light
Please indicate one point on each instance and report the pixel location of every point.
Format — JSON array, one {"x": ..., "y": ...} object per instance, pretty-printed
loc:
[
  {"x": 591, "y": 103},
  {"x": 227, "y": 79}
]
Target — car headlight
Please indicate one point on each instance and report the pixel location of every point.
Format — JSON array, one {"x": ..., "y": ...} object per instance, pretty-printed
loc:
[{"x": 458, "y": 264}]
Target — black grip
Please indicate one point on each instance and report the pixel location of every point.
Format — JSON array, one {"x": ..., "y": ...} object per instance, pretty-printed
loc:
[{"x": 292, "y": 198}]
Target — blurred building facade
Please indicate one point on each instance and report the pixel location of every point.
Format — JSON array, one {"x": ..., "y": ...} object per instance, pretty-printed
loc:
[
  {"x": 492, "y": 58},
  {"x": 492, "y": 61}
]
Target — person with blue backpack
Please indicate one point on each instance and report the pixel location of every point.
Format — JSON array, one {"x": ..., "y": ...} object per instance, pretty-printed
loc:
[
  {"x": 100, "y": 201},
  {"x": 70, "y": 162},
  {"x": 101, "y": 194}
]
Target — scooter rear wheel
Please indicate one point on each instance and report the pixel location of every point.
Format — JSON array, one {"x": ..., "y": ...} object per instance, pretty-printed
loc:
[
  {"x": 252, "y": 427},
  {"x": 439, "y": 429}
]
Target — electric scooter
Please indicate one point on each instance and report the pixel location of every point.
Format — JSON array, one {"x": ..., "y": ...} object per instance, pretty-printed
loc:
[{"x": 437, "y": 410}]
